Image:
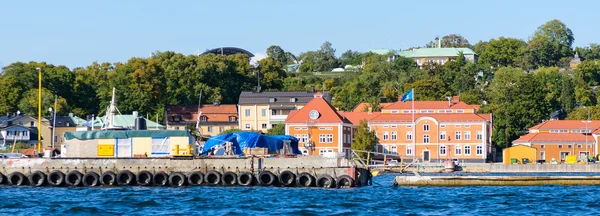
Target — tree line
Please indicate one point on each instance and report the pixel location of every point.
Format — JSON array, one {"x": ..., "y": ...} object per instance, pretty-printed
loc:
[{"x": 520, "y": 82}]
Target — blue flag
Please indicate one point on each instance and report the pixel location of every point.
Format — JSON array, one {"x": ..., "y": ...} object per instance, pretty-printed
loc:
[{"x": 407, "y": 96}]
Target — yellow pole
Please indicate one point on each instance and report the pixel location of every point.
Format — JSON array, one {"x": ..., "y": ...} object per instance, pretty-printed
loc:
[{"x": 39, "y": 126}]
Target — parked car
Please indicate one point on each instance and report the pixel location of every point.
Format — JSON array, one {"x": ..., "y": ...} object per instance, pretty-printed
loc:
[{"x": 12, "y": 155}]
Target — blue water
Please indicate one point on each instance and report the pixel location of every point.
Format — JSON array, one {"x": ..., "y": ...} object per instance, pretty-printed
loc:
[{"x": 379, "y": 199}]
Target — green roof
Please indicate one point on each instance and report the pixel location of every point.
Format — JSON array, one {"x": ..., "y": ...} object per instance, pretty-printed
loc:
[
  {"x": 127, "y": 121},
  {"x": 78, "y": 121},
  {"x": 382, "y": 51},
  {"x": 435, "y": 52},
  {"x": 123, "y": 134}
]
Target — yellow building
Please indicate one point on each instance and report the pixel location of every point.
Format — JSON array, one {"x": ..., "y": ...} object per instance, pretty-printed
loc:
[
  {"x": 127, "y": 143},
  {"x": 213, "y": 119},
  {"x": 517, "y": 153},
  {"x": 260, "y": 111},
  {"x": 62, "y": 124}
]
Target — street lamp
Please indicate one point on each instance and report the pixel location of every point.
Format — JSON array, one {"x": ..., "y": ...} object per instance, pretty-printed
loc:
[
  {"x": 39, "y": 145},
  {"x": 53, "y": 124}
]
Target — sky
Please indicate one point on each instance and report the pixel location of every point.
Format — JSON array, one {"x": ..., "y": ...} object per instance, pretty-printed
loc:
[{"x": 76, "y": 33}]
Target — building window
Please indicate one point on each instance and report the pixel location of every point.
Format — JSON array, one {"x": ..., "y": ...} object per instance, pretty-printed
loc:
[
  {"x": 394, "y": 135},
  {"x": 542, "y": 155},
  {"x": 479, "y": 135},
  {"x": 203, "y": 118},
  {"x": 460, "y": 111},
  {"x": 443, "y": 135},
  {"x": 221, "y": 129},
  {"x": 542, "y": 146},
  {"x": 271, "y": 100},
  {"x": 386, "y": 135},
  {"x": 394, "y": 111},
  {"x": 21, "y": 123},
  {"x": 31, "y": 124},
  {"x": 458, "y": 150},
  {"x": 292, "y": 100},
  {"x": 579, "y": 146},
  {"x": 247, "y": 112},
  {"x": 570, "y": 146},
  {"x": 394, "y": 126},
  {"x": 305, "y": 138},
  {"x": 457, "y": 126},
  {"x": 559, "y": 146},
  {"x": 426, "y": 138},
  {"x": 209, "y": 128},
  {"x": 247, "y": 126},
  {"x": 408, "y": 135},
  {"x": 443, "y": 150},
  {"x": 322, "y": 138},
  {"x": 457, "y": 135},
  {"x": 329, "y": 138},
  {"x": 479, "y": 150},
  {"x": 263, "y": 112},
  {"x": 176, "y": 128},
  {"x": 409, "y": 150},
  {"x": 467, "y": 126},
  {"x": 467, "y": 135},
  {"x": 408, "y": 126},
  {"x": 232, "y": 118},
  {"x": 425, "y": 127},
  {"x": 386, "y": 126},
  {"x": 394, "y": 149},
  {"x": 264, "y": 125},
  {"x": 443, "y": 126},
  {"x": 468, "y": 150},
  {"x": 25, "y": 133}
]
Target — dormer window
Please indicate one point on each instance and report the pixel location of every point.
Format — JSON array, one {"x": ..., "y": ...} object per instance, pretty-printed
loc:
[
  {"x": 271, "y": 100},
  {"x": 232, "y": 118},
  {"x": 203, "y": 118},
  {"x": 293, "y": 100}
]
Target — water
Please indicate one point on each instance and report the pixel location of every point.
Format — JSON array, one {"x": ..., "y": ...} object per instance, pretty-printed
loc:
[{"x": 379, "y": 199}]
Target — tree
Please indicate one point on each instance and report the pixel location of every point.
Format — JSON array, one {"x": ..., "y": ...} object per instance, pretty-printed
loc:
[
  {"x": 591, "y": 52},
  {"x": 350, "y": 58},
  {"x": 549, "y": 44},
  {"x": 582, "y": 113},
  {"x": 271, "y": 74},
  {"x": 278, "y": 129},
  {"x": 479, "y": 48},
  {"x": 428, "y": 89},
  {"x": 276, "y": 53},
  {"x": 308, "y": 61},
  {"x": 503, "y": 52},
  {"x": 451, "y": 40},
  {"x": 364, "y": 140},
  {"x": 326, "y": 60},
  {"x": 29, "y": 103},
  {"x": 589, "y": 72}
]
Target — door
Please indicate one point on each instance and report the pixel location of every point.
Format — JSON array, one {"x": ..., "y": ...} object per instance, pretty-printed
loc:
[
  {"x": 583, "y": 156},
  {"x": 425, "y": 155}
]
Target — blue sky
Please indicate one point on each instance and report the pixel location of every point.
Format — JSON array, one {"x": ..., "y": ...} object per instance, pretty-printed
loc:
[{"x": 77, "y": 33}]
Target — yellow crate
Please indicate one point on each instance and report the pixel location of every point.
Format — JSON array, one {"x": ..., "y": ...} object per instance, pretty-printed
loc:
[{"x": 106, "y": 150}]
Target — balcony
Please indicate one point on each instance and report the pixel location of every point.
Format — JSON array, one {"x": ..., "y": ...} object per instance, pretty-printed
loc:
[{"x": 278, "y": 117}]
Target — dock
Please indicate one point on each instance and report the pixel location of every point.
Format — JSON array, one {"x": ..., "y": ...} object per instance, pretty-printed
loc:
[{"x": 457, "y": 181}]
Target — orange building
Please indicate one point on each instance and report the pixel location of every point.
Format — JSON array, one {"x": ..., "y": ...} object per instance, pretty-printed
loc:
[
  {"x": 556, "y": 139},
  {"x": 440, "y": 130},
  {"x": 213, "y": 120}
]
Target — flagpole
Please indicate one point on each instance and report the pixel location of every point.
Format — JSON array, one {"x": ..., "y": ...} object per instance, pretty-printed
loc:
[{"x": 414, "y": 125}]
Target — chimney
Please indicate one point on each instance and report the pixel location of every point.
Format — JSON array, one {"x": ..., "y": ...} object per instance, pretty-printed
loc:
[
  {"x": 370, "y": 110},
  {"x": 135, "y": 113},
  {"x": 71, "y": 115},
  {"x": 455, "y": 99}
]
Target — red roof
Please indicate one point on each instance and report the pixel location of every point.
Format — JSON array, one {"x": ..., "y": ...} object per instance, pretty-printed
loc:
[
  {"x": 356, "y": 117},
  {"x": 442, "y": 117},
  {"x": 327, "y": 113},
  {"x": 554, "y": 137},
  {"x": 213, "y": 113},
  {"x": 361, "y": 107},
  {"x": 567, "y": 124},
  {"x": 428, "y": 105}
]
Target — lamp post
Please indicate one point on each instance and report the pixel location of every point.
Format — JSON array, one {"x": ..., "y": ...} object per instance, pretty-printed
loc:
[
  {"x": 53, "y": 124},
  {"x": 39, "y": 145}
]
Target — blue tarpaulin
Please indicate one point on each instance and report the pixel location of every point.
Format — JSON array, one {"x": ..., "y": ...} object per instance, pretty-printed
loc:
[{"x": 242, "y": 140}]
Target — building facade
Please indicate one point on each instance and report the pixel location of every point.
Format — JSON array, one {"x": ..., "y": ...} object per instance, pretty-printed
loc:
[
  {"x": 212, "y": 118},
  {"x": 260, "y": 111},
  {"x": 557, "y": 139},
  {"x": 19, "y": 128},
  {"x": 430, "y": 55},
  {"x": 63, "y": 124}
]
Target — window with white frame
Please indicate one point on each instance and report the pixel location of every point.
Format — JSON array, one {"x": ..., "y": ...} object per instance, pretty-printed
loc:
[
  {"x": 457, "y": 126},
  {"x": 442, "y": 135},
  {"x": 386, "y": 135},
  {"x": 442, "y": 126},
  {"x": 305, "y": 138},
  {"x": 329, "y": 138},
  {"x": 425, "y": 127},
  {"x": 467, "y": 135},
  {"x": 426, "y": 138},
  {"x": 394, "y": 126},
  {"x": 264, "y": 126},
  {"x": 457, "y": 135},
  {"x": 322, "y": 138},
  {"x": 467, "y": 125},
  {"x": 386, "y": 126},
  {"x": 209, "y": 128},
  {"x": 247, "y": 126},
  {"x": 479, "y": 135},
  {"x": 408, "y": 150},
  {"x": 394, "y": 135},
  {"x": 394, "y": 149},
  {"x": 394, "y": 111},
  {"x": 443, "y": 150},
  {"x": 247, "y": 112},
  {"x": 263, "y": 112},
  {"x": 468, "y": 150},
  {"x": 458, "y": 150},
  {"x": 479, "y": 150},
  {"x": 409, "y": 135}
]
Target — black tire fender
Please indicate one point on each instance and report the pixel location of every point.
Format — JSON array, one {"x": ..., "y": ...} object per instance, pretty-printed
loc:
[
  {"x": 177, "y": 179},
  {"x": 56, "y": 178},
  {"x": 245, "y": 178},
  {"x": 73, "y": 178},
  {"x": 305, "y": 180},
  {"x": 160, "y": 179},
  {"x": 144, "y": 178},
  {"x": 345, "y": 181},
  {"x": 108, "y": 178},
  {"x": 17, "y": 178},
  {"x": 266, "y": 178},
  {"x": 196, "y": 178},
  {"x": 229, "y": 179},
  {"x": 287, "y": 178},
  {"x": 325, "y": 181},
  {"x": 212, "y": 177},
  {"x": 37, "y": 179},
  {"x": 91, "y": 179},
  {"x": 125, "y": 177}
]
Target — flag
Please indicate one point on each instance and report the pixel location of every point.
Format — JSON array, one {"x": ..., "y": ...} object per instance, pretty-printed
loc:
[{"x": 407, "y": 96}]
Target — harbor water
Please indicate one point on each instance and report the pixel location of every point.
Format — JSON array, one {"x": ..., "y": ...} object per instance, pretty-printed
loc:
[{"x": 382, "y": 198}]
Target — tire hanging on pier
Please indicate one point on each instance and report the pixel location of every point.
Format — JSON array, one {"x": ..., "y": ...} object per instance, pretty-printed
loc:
[
  {"x": 245, "y": 178},
  {"x": 160, "y": 179},
  {"x": 212, "y": 177},
  {"x": 125, "y": 177},
  {"x": 74, "y": 178},
  {"x": 325, "y": 181},
  {"x": 177, "y": 179},
  {"x": 2, "y": 178},
  {"x": 91, "y": 179},
  {"x": 144, "y": 178},
  {"x": 266, "y": 178},
  {"x": 196, "y": 178},
  {"x": 17, "y": 178},
  {"x": 345, "y": 181},
  {"x": 56, "y": 178},
  {"x": 108, "y": 178},
  {"x": 37, "y": 179},
  {"x": 229, "y": 179},
  {"x": 287, "y": 178},
  {"x": 305, "y": 180}
]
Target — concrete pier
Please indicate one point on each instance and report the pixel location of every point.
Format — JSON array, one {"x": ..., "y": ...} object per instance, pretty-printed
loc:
[
  {"x": 494, "y": 180},
  {"x": 314, "y": 165}
]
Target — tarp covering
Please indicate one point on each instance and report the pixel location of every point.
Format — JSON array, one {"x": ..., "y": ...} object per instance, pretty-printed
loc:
[
  {"x": 121, "y": 134},
  {"x": 242, "y": 140}
]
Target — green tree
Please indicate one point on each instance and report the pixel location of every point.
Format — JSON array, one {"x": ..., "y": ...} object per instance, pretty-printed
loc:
[
  {"x": 451, "y": 40},
  {"x": 271, "y": 74},
  {"x": 582, "y": 113},
  {"x": 549, "y": 44},
  {"x": 278, "y": 54},
  {"x": 479, "y": 48},
  {"x": 278, "y": 129},
  {"x": 503, "y": 52},
  {"x": 326, "y": 60},
  {"x": 29, "y": 103},
  {"x": 364, "y": 140},
  {"x": 591, "y": 52},
  {"x": 589, "y": 72},
  {"x": 428, "y": 89},
  {"x": 308, "y": 61},
  {"x": 350, "y": 58}
]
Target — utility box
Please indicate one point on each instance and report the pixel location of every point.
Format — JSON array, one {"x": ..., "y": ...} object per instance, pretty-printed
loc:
[{"x": 106, "y": 150}]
